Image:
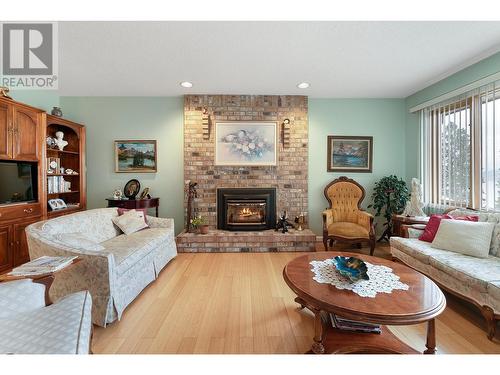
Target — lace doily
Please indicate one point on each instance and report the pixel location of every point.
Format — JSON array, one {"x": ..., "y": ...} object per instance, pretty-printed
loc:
[{"x": 382, "y": 279}]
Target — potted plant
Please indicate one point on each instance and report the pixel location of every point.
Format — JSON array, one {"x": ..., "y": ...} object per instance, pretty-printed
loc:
[
  {"x": 200, "y": 223},
  {"x": 389, "y": 197}
]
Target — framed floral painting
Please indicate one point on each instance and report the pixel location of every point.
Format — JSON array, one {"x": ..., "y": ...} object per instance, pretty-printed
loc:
[
  {"x": 246, "y": 143},
  {"x": 350, "y": 154}
]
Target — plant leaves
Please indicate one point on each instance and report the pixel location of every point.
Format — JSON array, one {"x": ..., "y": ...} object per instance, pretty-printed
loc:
[{"x": 389, "y": 197}]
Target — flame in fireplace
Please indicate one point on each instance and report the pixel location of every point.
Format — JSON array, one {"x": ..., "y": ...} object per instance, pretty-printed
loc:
[{"x": 247, "y": 212}]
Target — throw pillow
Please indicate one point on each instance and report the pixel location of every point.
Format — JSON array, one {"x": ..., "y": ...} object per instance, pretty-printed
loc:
[
  {"x": 79, "y": 241},
  {"x": 121, "y": 211},
  {"x": 435, "y": 220},
  {"x": 432, "y": 227},
  {"x": 130, "y": 222},
  {"x": 464, "y": 237}
]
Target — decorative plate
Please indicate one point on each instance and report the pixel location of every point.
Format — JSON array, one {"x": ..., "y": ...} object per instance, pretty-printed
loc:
[
  {"x": 51, "y": 143},
  {"x": 353, "y": 268},
  {"x": 132, "y": 188}
]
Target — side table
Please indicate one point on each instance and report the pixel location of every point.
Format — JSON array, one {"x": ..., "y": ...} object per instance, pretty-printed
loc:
[
  {"x": 135, "y": 203},
  {"x": 44, "y": 278},
  {"x": 399, "y": 220}
]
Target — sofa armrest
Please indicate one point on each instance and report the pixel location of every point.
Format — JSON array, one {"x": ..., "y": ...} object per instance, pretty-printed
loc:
[
  {"x": 94, "y": 273},
  {"x": 20, "y": 296},
  {"x": 409, "y": 231},
  {"x": 160, "y": 222}
]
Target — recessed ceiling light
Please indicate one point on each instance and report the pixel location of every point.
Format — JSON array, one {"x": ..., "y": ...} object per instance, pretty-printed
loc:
[
  {"x": 186, "y": 84},
  {"x": 303, "y": 85}
]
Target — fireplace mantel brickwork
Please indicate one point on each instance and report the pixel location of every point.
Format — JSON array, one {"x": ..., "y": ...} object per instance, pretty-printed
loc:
[{"x": 289, "y": 176}]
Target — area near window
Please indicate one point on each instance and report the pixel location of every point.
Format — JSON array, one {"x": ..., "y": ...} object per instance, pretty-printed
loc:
[{"x": 460, "y": 150}]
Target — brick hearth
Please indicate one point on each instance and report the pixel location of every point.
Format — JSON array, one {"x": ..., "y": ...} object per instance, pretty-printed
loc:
[{"x": 262, "y": 241}]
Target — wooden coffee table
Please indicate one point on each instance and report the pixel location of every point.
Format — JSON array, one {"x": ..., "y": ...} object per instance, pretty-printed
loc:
[{"x": 422, "y": 302}]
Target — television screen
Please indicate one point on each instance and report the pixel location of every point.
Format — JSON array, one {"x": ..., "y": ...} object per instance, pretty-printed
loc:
[{"x": 17, "y": 182}]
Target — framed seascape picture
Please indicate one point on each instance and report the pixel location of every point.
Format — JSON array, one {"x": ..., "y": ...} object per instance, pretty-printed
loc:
[
  {"x": 349, "y": 154},
  {"x": 245, "y": 143},
  {"x": 135, "y": 156}
]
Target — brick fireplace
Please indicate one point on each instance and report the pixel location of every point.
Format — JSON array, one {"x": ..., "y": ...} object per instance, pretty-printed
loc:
[
  {"x": 288, "y": 178},
  {"x": 247, "y": 209}
]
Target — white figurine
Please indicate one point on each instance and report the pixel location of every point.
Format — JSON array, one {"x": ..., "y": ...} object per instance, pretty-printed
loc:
[
  {"x": 415, "y": 204},
  {"x": 59, "y": 141}
]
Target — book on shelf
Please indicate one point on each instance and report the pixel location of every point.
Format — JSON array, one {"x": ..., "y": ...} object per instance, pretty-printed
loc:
[
  {"x": 57, "y": 184},
  {"x": 352, "y": 325},
  {"x": 42, "y": 265}
]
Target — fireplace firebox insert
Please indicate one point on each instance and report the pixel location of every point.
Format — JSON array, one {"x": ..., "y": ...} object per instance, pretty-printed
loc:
[{"x": 246, "y": 209}]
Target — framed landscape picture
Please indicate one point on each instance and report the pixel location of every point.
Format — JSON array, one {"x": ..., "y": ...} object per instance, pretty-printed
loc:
[
  {"x": 349, "y": 154},
  {"x": 245, "y": 143},
  {"x": 135, "y": 156}
]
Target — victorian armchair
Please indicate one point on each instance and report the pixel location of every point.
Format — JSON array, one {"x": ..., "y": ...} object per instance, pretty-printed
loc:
[{"x": 344, "y": 220}]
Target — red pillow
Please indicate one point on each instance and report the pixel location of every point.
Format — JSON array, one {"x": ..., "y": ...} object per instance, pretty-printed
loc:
[
  {"x": 121, "y": 211},
  {"x": 433, "y": 225}
]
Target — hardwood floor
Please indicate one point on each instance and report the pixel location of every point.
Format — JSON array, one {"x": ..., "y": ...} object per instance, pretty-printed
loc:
[{"x": 239, "y": 303}]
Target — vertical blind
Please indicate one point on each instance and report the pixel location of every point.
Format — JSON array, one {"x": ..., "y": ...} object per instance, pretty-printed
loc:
[
  {"x": 490, "y": 147},
  {"x": 460, "y": 150}
]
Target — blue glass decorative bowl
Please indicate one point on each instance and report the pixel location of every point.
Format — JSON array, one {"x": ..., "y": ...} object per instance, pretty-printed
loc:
[{"x": 353, "y": 268}]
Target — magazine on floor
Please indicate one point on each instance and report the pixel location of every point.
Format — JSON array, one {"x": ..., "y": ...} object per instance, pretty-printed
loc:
[{"x": 42, "y": 265}]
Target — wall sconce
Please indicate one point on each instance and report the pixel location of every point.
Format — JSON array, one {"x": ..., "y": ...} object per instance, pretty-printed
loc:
[
  {"x": 285, "y": 133},
  {"x": 205, "y": 123}
]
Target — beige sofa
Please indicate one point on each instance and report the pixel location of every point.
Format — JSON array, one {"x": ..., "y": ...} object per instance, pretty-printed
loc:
[
  {"x": 27, "y": 326},
  {"x": 476, "y": 280},
  {"x": 117, "y": 272}
]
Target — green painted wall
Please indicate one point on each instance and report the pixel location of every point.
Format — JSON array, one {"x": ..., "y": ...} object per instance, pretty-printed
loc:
[
  {"x": 112, "y": 118},
  {"x": 470, "y": 74},
  {"x": 161, "y": 118},
  {"x": 383, "y": 119},
  {"x": 43, "y": 99}
]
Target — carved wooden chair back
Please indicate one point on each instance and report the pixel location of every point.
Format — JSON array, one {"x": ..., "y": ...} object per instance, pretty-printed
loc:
[{"x": 344, "y": 196}]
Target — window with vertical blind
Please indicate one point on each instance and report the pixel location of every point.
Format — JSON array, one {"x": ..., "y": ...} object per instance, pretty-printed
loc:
[{"x": 460, "y": 150}]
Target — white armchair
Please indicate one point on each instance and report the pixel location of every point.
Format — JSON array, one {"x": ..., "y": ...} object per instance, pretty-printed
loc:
[{"x": 29, "y": 326}]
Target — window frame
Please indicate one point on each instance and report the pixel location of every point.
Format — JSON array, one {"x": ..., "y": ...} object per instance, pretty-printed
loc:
[
  {"x": 433, "y": 118},
  {"x": 435, "y": 150}
]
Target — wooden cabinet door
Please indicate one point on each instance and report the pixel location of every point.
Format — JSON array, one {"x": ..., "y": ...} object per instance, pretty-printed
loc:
[
  {"x": 26, "y": 134},
  {"x": 5, "y": 131},
  {"x": 6, "y": 248},
  {"x": 21, "y": 253}
]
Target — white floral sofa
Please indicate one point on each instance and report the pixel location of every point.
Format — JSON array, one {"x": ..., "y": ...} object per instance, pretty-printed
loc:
[
  {"x": 115, "y": 275},
  {"x": 476, "y": 280},
  {"x": 27, "y": 326}
]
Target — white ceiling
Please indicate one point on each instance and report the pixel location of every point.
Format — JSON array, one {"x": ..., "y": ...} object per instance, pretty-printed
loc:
[{"x": 338, "y": 59}]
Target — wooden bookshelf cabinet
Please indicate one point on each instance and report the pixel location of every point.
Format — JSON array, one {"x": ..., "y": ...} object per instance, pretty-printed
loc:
[
  {"x": 71, "y": 157},
  {"x": 23, "y": 133},
  {"x": 21, "y": 139},
  {"x": 20, "y": 131}
]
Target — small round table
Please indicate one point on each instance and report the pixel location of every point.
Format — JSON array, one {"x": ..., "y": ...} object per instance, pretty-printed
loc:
[{"x": 422, "y": 302}]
